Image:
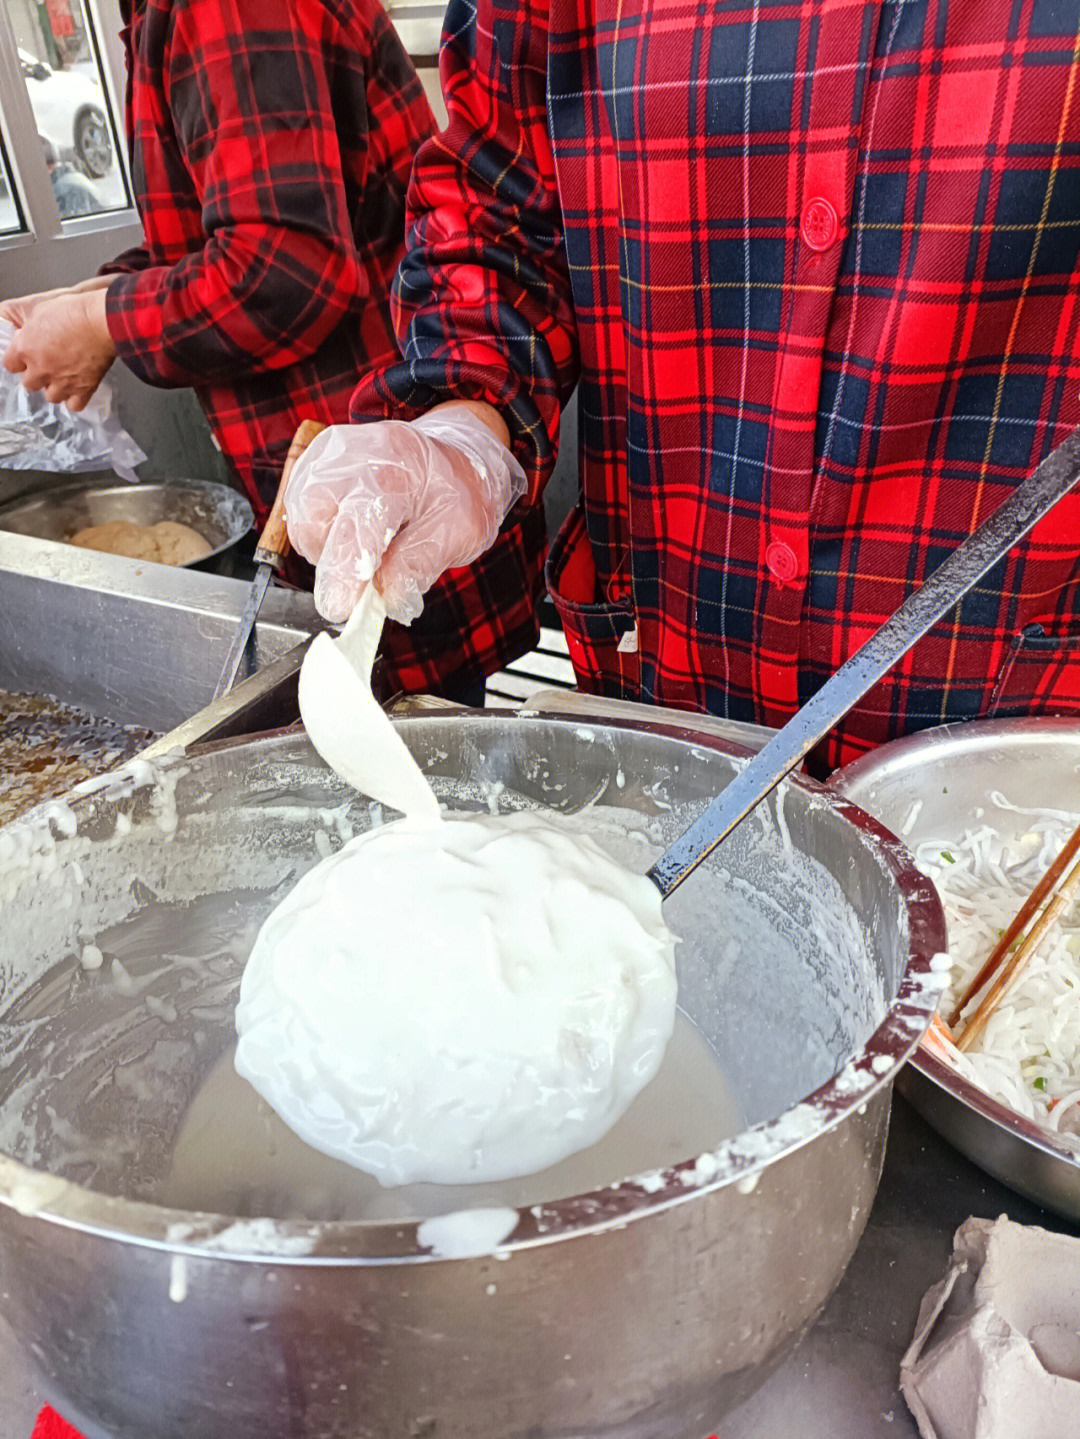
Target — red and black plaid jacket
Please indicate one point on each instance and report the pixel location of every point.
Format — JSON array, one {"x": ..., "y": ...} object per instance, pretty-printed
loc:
[
  {"x": 271, "y": 143},
  {"x": 817, "y": 266}
]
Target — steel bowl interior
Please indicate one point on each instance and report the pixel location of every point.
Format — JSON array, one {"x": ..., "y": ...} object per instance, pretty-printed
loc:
[
  {"x": 929, "y": 785},
  {"x": 643, "y": 1308},
  {"x": 220, "y": 514},
  {"x": 829, "y": 975}
]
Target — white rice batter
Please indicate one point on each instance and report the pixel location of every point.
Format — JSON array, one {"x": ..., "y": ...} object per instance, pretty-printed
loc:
[
  {"x": 233, "y": 1155},
  {"x": 458, "y": 1000}
]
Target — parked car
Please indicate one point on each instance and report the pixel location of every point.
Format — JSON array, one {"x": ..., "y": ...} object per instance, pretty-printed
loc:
[{"x": 70, "y": 110}]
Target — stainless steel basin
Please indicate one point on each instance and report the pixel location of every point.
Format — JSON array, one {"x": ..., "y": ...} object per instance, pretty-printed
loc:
[
  {"x": 137, "y": 643},
  {"x": 936, "y": 784},
  {"x": 644, "y": 1309}
]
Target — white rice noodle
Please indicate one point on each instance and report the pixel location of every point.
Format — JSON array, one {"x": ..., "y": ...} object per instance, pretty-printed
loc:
[{"x": 1028, "y": 1056}]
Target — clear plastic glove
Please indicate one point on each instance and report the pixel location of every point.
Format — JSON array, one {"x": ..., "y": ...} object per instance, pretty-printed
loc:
[{"x": 401, "y": 501}]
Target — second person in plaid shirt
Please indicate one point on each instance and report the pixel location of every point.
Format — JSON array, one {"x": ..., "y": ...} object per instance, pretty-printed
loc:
[
  {"x": 814, "y": 269},
  {"x": 271, "y": 143}
]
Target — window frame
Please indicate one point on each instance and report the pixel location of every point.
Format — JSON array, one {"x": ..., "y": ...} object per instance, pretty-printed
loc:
[{"x": 49, "y": 251}]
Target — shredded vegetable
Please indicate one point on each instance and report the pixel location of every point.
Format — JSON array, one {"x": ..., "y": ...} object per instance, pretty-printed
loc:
[{"x": 1028, "y": 1056}]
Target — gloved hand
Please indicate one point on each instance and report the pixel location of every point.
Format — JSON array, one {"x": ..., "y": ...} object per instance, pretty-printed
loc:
[{"x": 400, "y": 502}]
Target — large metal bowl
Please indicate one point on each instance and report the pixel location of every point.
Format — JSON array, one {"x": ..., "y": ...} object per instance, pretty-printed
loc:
[
  {"x": 221, "y": 515},
  {"x": 951, "y": 771},
  {"x": 644, "y": 1309}
]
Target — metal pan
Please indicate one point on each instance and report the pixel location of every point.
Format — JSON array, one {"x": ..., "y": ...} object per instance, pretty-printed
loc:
[
  {"x": 951, "y": 770},
  {"x": 221, "y": 515}
]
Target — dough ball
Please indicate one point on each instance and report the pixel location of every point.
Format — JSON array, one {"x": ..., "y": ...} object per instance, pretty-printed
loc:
[
  {"x": 166, "y": 543},
  {"x": 180, "y": 544},
  {"x": 119, "y": 537},
  {"x": 461, "y": 1001}
]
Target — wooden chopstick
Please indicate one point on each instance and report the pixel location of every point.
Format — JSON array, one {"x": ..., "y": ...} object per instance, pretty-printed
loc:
[
  {"x": 1023, "y": 916},
  {"x": 1011, "y": 970}
]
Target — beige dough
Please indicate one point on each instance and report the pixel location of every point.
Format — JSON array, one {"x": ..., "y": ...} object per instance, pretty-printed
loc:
[
  {"x": 180, "y": 544},
  {"x": 119, "y": 537},
  {"x": 166, "y": 543}
]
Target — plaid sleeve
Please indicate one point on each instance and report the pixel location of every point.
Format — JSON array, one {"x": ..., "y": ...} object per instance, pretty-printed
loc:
[
  {"x": 482, "y": 300},
  {"x": 129, "y": 262},
  {"x": 49, "y": 1425},
  {"x": 250, "y": 104}
]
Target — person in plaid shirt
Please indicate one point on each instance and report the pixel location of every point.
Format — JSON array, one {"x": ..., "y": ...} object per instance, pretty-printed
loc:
[
  {"x": 814, "y": 270},
  {"x": 271, "y": 143}
]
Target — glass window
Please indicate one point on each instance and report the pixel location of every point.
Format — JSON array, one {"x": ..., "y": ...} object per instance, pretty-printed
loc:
[
  {"x": 419, "y": 24},
  {"x": 61, "y": 68},
  {"x": 11, "y": 220}
]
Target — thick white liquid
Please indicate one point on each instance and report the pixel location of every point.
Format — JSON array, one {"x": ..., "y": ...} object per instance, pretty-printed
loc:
[
  {"x": 233, "y": 1155},
  {"x": 459, "y": 1002}
]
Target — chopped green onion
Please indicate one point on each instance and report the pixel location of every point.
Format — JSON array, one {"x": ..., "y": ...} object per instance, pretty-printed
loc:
[
  {"x": 1040, "y": 1083},
  {"x": 947, "y": 857}
]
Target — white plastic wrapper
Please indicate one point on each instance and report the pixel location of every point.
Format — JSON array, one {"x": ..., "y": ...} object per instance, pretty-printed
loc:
[
  {"x": 36, "y": 435},
  {"x": 996, "y": 1352}
]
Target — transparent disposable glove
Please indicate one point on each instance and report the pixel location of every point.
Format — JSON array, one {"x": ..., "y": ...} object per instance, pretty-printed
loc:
[{"x": 400, "y": 502}]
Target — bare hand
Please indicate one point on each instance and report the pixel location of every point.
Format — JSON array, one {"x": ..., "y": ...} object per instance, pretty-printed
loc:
[
  {"x": 18, "y": 310},
  {"x": 62, "y": 345}
]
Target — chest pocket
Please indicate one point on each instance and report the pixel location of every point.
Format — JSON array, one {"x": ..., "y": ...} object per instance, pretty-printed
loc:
[{"x": 1040, "y": 675}]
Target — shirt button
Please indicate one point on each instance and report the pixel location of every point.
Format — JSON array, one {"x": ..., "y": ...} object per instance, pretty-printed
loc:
[
  {"x": 781, "y": 561},
  {"x": 820, "y": 224}
]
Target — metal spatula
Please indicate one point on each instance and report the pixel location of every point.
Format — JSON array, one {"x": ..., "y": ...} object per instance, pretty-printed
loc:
[
  {"x": 952, "y": 579},
  {"x": 347, "y": 725}
]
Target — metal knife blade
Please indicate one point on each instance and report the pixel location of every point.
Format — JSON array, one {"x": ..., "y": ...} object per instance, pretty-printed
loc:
[
  {"x": 244, "y": 626},
  {"x": 273, "y": 548}
]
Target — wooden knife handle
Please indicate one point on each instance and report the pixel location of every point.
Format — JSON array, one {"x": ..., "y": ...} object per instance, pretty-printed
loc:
[{"x": 273, "y": 545}]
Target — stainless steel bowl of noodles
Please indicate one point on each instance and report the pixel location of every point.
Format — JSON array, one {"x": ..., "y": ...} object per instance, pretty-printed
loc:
[{"x": 984, "y": 807}]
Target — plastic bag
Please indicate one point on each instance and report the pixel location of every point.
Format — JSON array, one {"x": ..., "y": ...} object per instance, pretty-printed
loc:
[{"x": 36, "y": 435}]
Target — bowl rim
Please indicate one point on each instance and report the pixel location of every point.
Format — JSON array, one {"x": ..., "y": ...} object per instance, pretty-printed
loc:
[
  {"x": 736, "y": 1162},
  {"x": 941, "y": 1073}
]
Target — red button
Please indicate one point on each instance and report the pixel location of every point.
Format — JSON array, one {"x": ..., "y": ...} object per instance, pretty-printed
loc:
[
  {"x": 781, "y": 561},
  {"x": 820, "y": 225}
]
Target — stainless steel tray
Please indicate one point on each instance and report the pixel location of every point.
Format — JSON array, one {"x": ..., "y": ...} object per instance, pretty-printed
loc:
[
  {"x": 221, "y": 515},
  {"x": 143, "y": 644},
  {"x": 1033, "y": 762}
]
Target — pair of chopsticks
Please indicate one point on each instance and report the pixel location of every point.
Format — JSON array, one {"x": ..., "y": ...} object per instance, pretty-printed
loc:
[{"x": 1055, "y": 890}]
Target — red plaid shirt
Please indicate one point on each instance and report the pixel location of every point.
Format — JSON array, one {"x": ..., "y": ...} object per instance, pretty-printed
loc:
[
  {"x": 50, "y": 1426},
  {"x": 816, "y": 264},
  {"x": 271, "y": 143}
]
